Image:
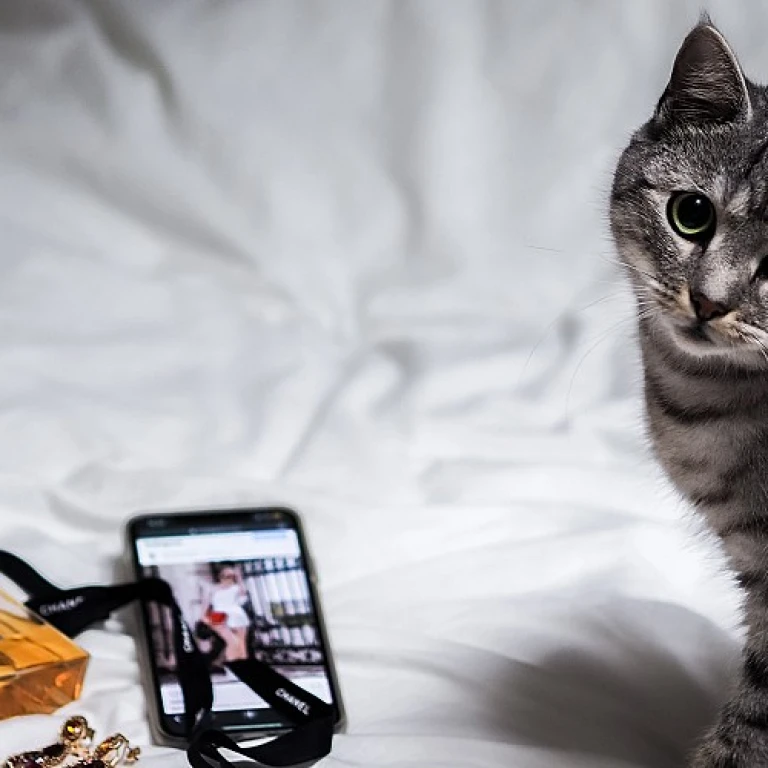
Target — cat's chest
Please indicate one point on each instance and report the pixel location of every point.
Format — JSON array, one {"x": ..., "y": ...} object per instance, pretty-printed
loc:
[
  {"x": 706, "y": 441},
  {"x": 710, "y": 434}
]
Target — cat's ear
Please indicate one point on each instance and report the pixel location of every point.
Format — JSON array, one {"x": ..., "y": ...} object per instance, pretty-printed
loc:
[{"x": 707, "y": 84}]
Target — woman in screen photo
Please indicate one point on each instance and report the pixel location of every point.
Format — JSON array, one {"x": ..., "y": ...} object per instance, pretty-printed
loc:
[{"x": 226, "y": 615}]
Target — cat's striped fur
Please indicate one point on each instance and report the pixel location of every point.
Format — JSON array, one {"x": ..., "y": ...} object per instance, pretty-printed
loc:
[{"x": 706, "y": 378}]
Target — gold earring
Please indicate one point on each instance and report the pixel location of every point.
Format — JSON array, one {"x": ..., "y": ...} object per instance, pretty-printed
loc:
[
  {"x": 110, "y": 752},
  {"x": 72, "y": 742}
]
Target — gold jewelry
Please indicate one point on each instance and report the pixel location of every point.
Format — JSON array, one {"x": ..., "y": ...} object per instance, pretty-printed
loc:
[
  {"x": 110, "y": 752},
  {"x": 74, "y": 735},
  {"x": 75, "y": 740}
]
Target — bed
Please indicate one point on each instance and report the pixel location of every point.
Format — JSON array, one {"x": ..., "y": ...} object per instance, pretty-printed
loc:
[{"x": 353, "y": 258}]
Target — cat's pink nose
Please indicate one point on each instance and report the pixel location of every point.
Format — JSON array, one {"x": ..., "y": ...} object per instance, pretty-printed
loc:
[{"x": 705, "y": 308}]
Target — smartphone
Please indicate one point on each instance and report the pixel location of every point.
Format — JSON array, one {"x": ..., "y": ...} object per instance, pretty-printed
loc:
[{"x": 246, "y": 586}]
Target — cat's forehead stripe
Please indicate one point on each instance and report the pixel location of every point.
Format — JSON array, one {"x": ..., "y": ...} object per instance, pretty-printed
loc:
[
  {"x": 740, "y": 200},
  {"x": 720, "y": 190}
]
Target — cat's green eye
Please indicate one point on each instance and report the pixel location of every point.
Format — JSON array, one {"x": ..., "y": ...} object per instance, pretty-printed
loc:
[{"x": 691, "y": 215}]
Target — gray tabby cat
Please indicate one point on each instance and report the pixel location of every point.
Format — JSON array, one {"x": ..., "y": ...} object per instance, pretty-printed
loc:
[{"x": 689, "y": 214}]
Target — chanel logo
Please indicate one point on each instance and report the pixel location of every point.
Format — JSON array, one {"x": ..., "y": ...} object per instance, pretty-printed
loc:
[
  {"x": 69, "y": 604},
  {"x": 186, "y": 638},
  {"x": 302, "y": 706}
]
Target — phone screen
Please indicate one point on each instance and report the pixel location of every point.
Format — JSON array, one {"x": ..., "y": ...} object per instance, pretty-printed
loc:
[{"x": 243, "y": 586}]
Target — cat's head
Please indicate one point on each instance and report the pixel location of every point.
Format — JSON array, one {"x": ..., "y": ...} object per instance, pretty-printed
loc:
[{"x": 689, "y": 206}]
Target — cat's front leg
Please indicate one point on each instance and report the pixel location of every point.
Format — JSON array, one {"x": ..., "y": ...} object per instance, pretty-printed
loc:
[{"x": 740, "y": 737}]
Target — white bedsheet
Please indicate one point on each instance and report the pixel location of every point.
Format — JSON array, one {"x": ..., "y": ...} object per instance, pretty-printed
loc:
[{"x": 353, "y": 257}]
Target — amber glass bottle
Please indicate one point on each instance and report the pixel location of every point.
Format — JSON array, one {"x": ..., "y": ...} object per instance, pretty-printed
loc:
[{"x": 40, "y": 668}]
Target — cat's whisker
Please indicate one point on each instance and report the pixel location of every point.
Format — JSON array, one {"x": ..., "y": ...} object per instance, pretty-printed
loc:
[
  {"x": 647, "y": 275},
  {"x": 555, "y": 322},
  {"x": 642, "y": 315},
  {"x": 639, "y": 271},
  {"x": 610, "y": 258},
  {"x": 750, "y": 334},
  {"x": 655, "y": 284},
  {"x": 763, "y": 349},
  {"x": 619, "y": 285},
  {"x": 754, "y": 332},
  {"x": 647, "y": 313},
  {"x": 760, "y": 346}
]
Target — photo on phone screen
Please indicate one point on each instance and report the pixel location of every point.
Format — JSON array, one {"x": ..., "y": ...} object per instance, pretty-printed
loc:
[{"x": 242, "y": 583}]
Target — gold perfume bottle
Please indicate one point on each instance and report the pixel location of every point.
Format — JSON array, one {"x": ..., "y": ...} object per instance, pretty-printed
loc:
[{"x": 40, "y": 668}]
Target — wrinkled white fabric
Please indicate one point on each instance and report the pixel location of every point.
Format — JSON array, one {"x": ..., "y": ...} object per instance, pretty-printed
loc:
[{"x": 353, "y": 258}]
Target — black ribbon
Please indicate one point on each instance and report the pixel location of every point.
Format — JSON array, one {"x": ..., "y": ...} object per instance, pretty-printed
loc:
[{"x": 73, "y": 610}]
